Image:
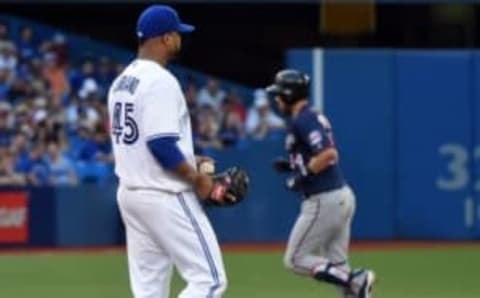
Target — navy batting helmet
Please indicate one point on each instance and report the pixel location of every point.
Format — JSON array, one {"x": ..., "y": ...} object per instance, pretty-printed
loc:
[{"x": 291, "y": 85}]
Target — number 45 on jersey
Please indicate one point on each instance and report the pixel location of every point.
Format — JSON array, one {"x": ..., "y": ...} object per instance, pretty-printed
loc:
[{"x": 124, "y": 126}]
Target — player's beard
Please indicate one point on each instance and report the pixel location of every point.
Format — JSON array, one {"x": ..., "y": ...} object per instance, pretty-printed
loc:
[{"x": 175, "y": 52}]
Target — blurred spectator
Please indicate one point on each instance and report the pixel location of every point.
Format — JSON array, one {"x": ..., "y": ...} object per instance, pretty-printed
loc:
[
  {"x": 104, "y": 76},
  {"x": 8, "y": 57},
  {"x": 4, "y": 35},
  {"x": 88, "y": 115},
  {"x": 35, "y": 168},
  {"x": 104, "y": 151},
  {"x": 190, "y": 93},
  {"x": 88, "y": 82},
  {"x": 33, "y": 73},
  {"x": 191, "y": 97},
  {"x": 20, "y": 149},
  {"x": 211, "y": 94},
  {"x": 235, "y": 104},
  {"x": 4, "y": 32},
  {"x": 29, "y": 80},
  {"x": 261, "y": 120},
  {"x": 72, "y": 114},
  {"x": 61, "y": 171},
  {"x": 8, "y": 64},
  {"x": 89, "y": 89},
  {"x": 40, "y": 120},
  {"x": 58, "y": 47},
  {"x": 31, "y": 70},
  {"x": 82, "y": 144},
  {"x": 5, "y": 84},
  {"x": 208, "y": 128},
  {"x": 6, "y": 133},
  {"x": 83, "y": 82},
  {"x": 27, "y": 47},
  {"x": 8, "y": 176},
  {"x": 102, "y": 111},
  {"x": 57, "y": 113},
  {"x": 232, "y": 128},
  {"x": 94, "y": 147},
  {"x": 54, "y": 74},
  {"x": 18, "y": 90},
  {"x": 23, "y": 120},
  {"x": 46, "y": 129}
]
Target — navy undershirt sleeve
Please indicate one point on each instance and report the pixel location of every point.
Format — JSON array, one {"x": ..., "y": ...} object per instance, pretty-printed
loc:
[{"x": 166, "y": 152}]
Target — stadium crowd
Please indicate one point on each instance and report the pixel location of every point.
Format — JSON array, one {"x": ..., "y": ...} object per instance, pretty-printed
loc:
[{"x": 53, "y": 117}]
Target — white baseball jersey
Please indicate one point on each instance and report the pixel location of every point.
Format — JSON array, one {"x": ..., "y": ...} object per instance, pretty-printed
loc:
[
  {"x": 164, "y": 221},
  {"x": 145, "y": 102}
]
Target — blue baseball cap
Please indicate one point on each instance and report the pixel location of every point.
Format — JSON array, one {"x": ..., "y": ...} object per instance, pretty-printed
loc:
[{"x": 157, "y": 20}]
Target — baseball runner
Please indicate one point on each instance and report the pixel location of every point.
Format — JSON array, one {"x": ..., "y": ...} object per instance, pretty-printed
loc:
[
  {"x": 318, "y": 243},
  {"x": 158, "y": 178}
]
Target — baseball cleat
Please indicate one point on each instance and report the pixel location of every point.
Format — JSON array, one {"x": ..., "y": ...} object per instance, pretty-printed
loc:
[{"x": 367, "y": 287}]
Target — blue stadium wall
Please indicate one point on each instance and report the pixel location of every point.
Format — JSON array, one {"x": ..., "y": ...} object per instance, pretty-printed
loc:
[{"x": 408, "y": 128}]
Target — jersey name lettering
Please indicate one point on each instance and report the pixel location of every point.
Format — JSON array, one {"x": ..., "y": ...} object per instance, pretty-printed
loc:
[{"x": 128, "y": 84}]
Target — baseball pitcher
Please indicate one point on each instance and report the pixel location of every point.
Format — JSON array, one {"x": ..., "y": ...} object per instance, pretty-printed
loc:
[{"x": 159, "y": 184}]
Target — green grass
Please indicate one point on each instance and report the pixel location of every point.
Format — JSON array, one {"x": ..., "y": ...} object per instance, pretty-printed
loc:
[{"x": 445, "y": 273}]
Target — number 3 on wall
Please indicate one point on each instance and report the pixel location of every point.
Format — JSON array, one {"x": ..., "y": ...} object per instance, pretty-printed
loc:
[{"x": 458, "y": 167}]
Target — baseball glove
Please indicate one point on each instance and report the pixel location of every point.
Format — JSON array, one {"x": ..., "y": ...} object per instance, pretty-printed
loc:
[{"x": 229, "y": 187}]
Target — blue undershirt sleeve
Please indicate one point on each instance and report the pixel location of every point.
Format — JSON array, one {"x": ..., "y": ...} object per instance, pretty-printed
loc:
[{"x": 166, "y": 152}]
